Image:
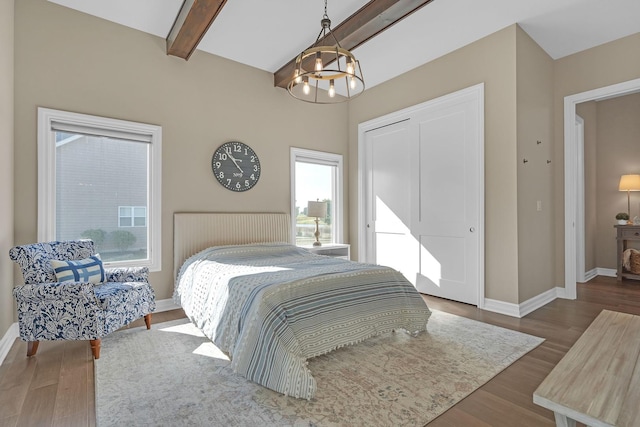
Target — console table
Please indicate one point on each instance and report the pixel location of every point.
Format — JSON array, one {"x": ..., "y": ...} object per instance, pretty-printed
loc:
[
  {"x": 626, "y": 233},
  {"x": 597, "y": 381}
]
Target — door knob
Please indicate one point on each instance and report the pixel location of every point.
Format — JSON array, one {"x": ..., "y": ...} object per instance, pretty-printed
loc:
[{"x": 472, "y": 229}]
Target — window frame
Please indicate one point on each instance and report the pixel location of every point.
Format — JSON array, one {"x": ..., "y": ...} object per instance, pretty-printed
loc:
[
  {"x": 326, "y": 159},
  {"x": 108, "y": 127}
]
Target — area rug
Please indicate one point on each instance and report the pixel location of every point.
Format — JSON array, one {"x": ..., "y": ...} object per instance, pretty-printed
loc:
[{"x": 172, "y": 376}]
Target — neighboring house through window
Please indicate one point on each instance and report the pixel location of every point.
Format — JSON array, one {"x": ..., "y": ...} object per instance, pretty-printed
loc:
[
  {"x": 132, "y": 216},
  {"x": 316, "y": 176},
  {"x": 99, "y": 178}
]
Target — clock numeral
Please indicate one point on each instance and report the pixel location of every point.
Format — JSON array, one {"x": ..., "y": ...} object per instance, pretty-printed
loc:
[
  {"x": 228, "y": 182},
  {"x": 221, "y": 175},
  {"x": 222, "y": 156},
  {"x": 246, "y": 183},
  {"x": 218, "y": 164},
  {"x": 237, "y": 184},
  {"x": 237, "y": 148},
  {"x": 253, "y": 159},
  {"x": 255, "y": 168},
  {"x": 253, "y": 177}
]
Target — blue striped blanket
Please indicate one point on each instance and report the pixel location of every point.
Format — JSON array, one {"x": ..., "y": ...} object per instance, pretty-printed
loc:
[{"x": 272, "y": 306}]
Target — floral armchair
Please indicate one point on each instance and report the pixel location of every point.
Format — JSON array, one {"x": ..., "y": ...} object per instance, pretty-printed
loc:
[{"x": 76, "y": 308}]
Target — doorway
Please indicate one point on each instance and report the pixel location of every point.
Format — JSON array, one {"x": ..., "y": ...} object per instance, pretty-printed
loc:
[{"x": 572, "y": 208}]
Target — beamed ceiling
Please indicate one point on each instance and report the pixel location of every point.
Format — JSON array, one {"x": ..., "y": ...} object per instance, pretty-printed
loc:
[{"x": 389, "y": 37}]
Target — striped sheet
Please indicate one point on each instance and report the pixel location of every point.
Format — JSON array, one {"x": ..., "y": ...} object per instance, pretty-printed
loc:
[{"x": 272, "y": 306}]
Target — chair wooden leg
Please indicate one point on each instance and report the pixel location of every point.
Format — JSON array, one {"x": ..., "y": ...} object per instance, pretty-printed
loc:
[
  {"x": 147, "y": 320},
  {"x": 32, "y": 347},
  {"x": 95, "y": 348}
]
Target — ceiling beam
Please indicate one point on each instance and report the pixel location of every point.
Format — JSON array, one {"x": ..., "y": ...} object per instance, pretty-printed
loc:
[
  {"x": 372, "y": 19},
  {"x": 193, "y": 20}
]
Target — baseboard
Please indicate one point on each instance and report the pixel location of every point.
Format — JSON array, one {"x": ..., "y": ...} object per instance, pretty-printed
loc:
[
  {"x": 166, "y": 305},
  {"x": 501, "y": 307},
  {"x": 7, "y": 341},
  {"x": 538, "y": 301},
  {"x": 524, "y": 308},
  {"x": 608, "y": 272},
  {"x": 588, "y": 275}
]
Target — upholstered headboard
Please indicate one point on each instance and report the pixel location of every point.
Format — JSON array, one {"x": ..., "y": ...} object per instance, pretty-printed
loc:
[{"x": 195, "y": 231}]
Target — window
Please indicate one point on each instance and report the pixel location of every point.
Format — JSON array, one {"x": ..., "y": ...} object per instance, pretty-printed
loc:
[
  {"x": 99, "y": 178},
  {"x": 316, "y": 176},
  {"x": 132, "y": 216}
]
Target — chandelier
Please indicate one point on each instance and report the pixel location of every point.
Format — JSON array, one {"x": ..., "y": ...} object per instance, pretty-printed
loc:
[{"x": 326, "y": 74}]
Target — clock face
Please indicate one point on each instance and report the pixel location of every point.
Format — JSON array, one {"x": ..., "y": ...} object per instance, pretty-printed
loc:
[{"x": 236, "y": 166}]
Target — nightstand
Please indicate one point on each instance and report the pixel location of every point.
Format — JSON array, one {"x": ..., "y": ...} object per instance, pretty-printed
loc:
[
  {"x": 337, "y": 250},
  {"x": 626, "y": 233}
]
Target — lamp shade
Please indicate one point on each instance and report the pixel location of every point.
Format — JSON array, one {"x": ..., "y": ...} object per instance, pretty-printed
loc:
[
  {"x": 317, "y": 209},
  {"x": 629, "y": 183}
]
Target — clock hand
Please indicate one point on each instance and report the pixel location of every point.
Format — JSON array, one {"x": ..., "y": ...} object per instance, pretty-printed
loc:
[{"x": 233, "y": 159}]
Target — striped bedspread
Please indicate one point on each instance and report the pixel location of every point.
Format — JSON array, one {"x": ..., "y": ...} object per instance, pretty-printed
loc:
[{"x": 272, "y": 306}]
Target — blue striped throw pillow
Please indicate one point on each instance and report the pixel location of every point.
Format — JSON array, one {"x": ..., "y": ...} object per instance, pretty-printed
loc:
[{"x": 83, "y": 270}]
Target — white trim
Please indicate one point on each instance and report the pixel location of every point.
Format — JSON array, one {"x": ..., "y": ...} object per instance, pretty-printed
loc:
[
  {"x": 319, "y": 158},
  {"x": 580, "y": 208},
  {"x": 538, "y": 301},
  {"x": 571, "y": 172},
  {"x": 7, "y": 341},
  {"x": 588, "y": 275},
  {"x": 502, "y": 307},
  {"x": 47, "y": 183},
  {"x": 476, "y": 91},
  {"x": 607, "y": 272},
  {"x": 524, "y": 308}
]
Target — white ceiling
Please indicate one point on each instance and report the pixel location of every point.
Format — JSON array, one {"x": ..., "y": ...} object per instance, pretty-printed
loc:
[{"x": 266, "y": 34}]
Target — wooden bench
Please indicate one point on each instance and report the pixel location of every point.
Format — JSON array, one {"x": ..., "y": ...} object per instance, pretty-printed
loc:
[{"x": 598, "y": 381}]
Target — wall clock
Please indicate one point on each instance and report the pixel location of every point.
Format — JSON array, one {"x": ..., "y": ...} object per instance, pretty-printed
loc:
[{"x": 236, "y": 166}]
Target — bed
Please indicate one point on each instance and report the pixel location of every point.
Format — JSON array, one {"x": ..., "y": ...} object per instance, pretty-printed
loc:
[{"x": 271, "y": 306}]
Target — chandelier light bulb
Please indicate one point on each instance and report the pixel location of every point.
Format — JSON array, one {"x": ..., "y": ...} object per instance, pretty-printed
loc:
[
  {"x": 352, "y": 82},
  {"x": 305, "y": 88},
  {"x": 332, "y": 89},
  {"x": 349, "y": 66},
  {"x": 298, "y": 79},
  {"x": 318, "y": 62}
]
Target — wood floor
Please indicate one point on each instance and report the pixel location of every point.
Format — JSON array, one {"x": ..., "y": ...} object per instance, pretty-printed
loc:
[{"x": 56, "y": 387}]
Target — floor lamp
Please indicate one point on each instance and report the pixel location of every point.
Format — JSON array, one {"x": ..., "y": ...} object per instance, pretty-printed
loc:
[
  {"x": 317, "y": 210},
  {"x": 629, "y": 183}
]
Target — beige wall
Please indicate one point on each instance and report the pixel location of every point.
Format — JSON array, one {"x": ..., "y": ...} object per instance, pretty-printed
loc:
[
  {"x": 614, "y": 130},
  {"x": 492, "y": 61},
  {"x": 6, "y": 164},
  {"x": 604, "y": 65},
  {"x": 535, "y": 176},
  {"x": 71, "y": 61},
  {"x": 118, "y": 72},
  {"x": 587, "y": 110}
]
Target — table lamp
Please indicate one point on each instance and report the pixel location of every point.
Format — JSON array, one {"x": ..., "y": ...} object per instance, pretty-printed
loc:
[
  {"x": 629, "y": 183},
  {"x": 317, "y": 210}
]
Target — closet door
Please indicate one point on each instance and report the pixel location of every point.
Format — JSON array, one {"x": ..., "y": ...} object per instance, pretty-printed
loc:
[
  {"x": 424, "y": 194},
  {"x": 389, "y": 206},
  {"x": 447, "y": 218}
]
